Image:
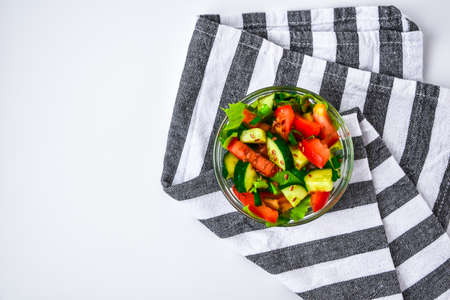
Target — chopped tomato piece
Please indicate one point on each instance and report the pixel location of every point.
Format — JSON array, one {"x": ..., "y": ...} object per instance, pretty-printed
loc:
[
  {"x": 246, "y": 198},
  {"x": 238, "y": 149},
  {"x": 258, "y": 162},
  {"x": 306, "y": 127},
  {"x": 267, "y": 213},
  {"x": 284, "y": 118},
  {"x": 328, "y": 133},
  {"x": 263, "y": 211},
  {"x": 315, "y": 151},
  {"x": 318, "y": 200},
  {"x": 248, "y": 116}
]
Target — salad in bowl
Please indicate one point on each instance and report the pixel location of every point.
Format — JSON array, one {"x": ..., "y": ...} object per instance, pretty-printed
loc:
[{"x": 283, "y": 156}]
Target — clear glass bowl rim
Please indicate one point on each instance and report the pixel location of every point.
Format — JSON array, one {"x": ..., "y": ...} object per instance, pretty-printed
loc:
[{"x": 346, "y": 167}]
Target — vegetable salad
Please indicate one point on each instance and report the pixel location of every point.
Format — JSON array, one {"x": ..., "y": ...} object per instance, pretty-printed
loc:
[{"x": 283, "y": 156}]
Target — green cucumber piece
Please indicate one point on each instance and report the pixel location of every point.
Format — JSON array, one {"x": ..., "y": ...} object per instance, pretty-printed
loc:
[
  {"x": 265, "y": 105},
  {"x": 286, "y": 178},
  {"x": 294, "y": 194},
  {"x": 319, "y": 180},
  {"x": 253, "y": 136},
  {"x": 300, "y": 160},
  {"x": 336, "y": 149},
  {"x": 244, "y": 176},
  {"x": 253, "y": 106},
  {"x": 229, "y": 163},
  {"x": 300, "y": 174},
  {"x": 279, "y": 153}
]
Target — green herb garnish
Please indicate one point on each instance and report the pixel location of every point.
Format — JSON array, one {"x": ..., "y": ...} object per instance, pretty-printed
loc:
[
  {"x": 299, "y": 212},
  {"x": 292, "y": 139}
]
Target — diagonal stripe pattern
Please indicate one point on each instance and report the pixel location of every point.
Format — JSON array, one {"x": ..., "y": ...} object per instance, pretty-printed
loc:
[{"x": 386, "y": 237}]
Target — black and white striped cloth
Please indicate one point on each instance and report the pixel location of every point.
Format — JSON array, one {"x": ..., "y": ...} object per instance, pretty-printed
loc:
[{"x": 386, "y": 238}]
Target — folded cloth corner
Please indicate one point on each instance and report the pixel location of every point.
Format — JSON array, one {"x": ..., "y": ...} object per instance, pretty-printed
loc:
[{"x": 386, "y": 237}]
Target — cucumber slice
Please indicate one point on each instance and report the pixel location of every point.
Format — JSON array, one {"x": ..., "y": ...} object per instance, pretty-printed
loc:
[
  {"x": 244, "y": 176},
  {"x": 253, "y": 136},
  {"x": 279, "y": 153},
  {"x": 254, "y": 105},
  {"x": 300, "y": 160},
  {"x": 229, "y": 163},
  {"x": 266, "y": 100},
  {"x": 319, "y": 180},
  {"x": 294, "y": 194},
  {"x": 335, "y": 149}
]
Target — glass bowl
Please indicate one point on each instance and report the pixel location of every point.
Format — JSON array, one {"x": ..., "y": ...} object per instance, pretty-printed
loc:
[{"x": 339, "y": 186}]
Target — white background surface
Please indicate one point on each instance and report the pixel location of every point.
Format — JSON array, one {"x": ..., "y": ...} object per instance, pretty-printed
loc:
[{"x": 86, "y": 93}]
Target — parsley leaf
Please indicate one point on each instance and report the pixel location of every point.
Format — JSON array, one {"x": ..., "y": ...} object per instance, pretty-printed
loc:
[
  {"x": 235, "y": 114},
  {"x": 259, "y": 183},
  {"x": 298, "y": 212}
]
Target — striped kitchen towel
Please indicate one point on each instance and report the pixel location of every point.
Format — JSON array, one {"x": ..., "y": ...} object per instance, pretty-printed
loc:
[{"x": 386, "y": 237}]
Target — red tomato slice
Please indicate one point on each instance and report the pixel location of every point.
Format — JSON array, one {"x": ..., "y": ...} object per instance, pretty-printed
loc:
[
  {"x": 284, "y": 118},
  {"x": 248, "y": 116},
  {"x": 306, "y": 127},
  {"x": 318, "y": 200},
  {"x": 328, "y": 133},
  {"x": 315, "y": 151},
  {"x": 263, "y": 211},
  {"x": 238, "y": 149}
]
